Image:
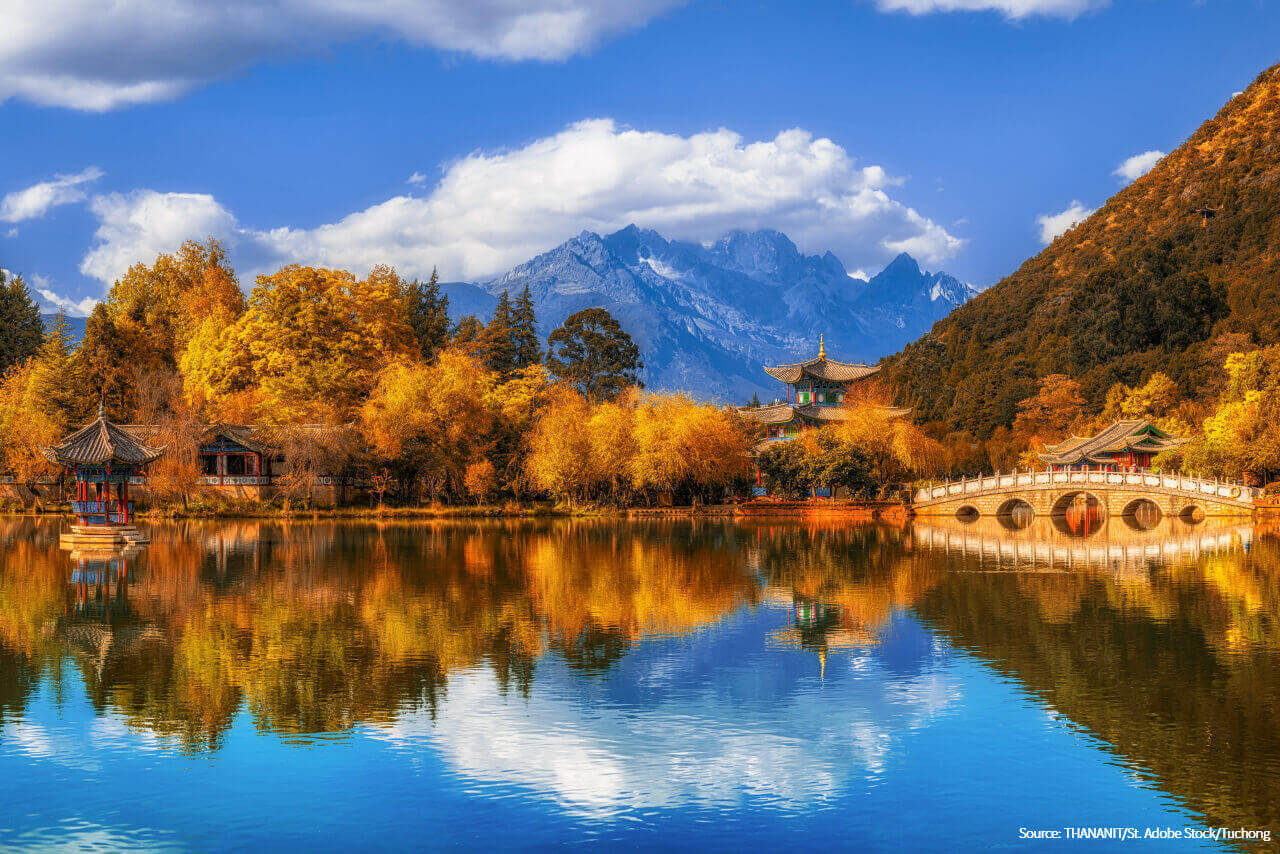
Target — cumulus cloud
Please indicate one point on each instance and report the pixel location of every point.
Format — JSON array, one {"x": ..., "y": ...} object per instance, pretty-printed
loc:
[
  {"x": 54, "y": 302},
  {"x": 1138, "y": 165},
  {"x": 37, "y": 200},
  {"x": 1053, "y": 225},
  {"x": 90, "y": 55},
  {"x": 1012, "y": 9},
  {"x": 137, "y": 226},
  {"x": 491, "y": 211}
]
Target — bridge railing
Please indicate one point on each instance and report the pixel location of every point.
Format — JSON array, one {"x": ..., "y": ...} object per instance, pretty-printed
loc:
[{"x": 1210, "y": 489}]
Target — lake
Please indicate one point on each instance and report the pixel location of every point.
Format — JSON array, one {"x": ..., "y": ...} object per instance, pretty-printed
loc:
[{"x": 672, "y": 684}]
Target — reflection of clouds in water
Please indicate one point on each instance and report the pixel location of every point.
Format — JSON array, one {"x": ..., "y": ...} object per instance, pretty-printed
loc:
[
  {"x": 91, "y": 838},
  {"x": 39, "y": 742},
  {"x": 72, "y": 747},
  {"x": 700, "y": 748}
]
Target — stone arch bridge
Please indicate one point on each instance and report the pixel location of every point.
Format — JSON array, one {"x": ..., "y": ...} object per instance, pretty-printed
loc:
[{"x": 1053, "y": 493}]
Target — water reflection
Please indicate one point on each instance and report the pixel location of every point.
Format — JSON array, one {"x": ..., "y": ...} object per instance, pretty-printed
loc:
[{"x": 617, "y": 667}]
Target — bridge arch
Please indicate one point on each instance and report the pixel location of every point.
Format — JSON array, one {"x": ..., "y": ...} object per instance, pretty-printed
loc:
[
  {"x": 1192, "y": 513},
  {"x": 967, "y": 513},
  {"x": 1142, "y": 514},
  {"x": 1075, "y": 498},
  {"x": 1015, "y": 514}
]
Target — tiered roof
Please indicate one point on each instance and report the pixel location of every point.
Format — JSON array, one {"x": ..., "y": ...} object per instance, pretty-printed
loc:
[
  {"x": 99, "y": 442},
  {"x": 821, "y": 368},
  {"x": 1119, "y": 437}
]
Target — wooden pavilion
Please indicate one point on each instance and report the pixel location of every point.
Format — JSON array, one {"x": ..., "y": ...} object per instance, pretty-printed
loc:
[{"x": 102, "y": 459}]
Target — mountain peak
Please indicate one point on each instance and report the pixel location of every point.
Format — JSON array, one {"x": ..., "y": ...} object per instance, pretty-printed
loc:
[{"x": 904, "y": 264}]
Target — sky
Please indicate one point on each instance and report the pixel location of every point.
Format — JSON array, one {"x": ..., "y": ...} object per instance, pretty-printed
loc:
[{"x": 470, "y": 135}]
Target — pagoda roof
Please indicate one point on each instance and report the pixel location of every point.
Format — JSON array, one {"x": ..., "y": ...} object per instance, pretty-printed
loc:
[
  {"x": 1127, "y": 435},
  {"x": 821, "y": 368},
  {"x": 100, "y": 441}
]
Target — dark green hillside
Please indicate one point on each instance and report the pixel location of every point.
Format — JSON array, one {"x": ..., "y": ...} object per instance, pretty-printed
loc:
[{"x": 1176, "y": 270}]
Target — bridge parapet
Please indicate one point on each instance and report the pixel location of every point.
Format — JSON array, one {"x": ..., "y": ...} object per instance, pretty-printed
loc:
[{"x": 1135, "y": 482}]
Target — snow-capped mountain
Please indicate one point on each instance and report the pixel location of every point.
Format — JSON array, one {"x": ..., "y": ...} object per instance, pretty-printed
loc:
[{"x": 707, "y": 318}]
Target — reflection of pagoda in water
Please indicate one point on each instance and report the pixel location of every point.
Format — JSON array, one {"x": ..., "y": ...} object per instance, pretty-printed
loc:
[{"x": 100, "y": 623}]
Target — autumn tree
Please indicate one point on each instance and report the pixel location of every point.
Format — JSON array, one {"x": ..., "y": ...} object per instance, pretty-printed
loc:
[
  {"x": 21, "y": 327},
  {"x": 559, "y": 459},
  {"x": 311, "y": 344},
  {"x": 593, "y": 353},
  {"x": 39, "y": 404},
  {"x": 1049, "y": 415},
  {"x": 432, "y": 420},
  {"x": 428, "y": 312}
]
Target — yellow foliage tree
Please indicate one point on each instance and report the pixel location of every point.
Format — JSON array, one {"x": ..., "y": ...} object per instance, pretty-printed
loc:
[
  {"x": 312, "y": 343},
  {"x": 433, "y": 419}
]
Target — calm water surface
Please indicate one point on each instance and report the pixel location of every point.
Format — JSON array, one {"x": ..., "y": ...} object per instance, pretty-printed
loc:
[{"x": 675, "y": 685}]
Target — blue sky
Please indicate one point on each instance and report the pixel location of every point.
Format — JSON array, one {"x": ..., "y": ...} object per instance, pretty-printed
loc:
[{"x": 291, "y": 130}]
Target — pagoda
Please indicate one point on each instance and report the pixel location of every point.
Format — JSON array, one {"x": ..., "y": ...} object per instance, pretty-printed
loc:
[
  {"x": 101, "y": 458},
  {"x": 816, "y": 394}
]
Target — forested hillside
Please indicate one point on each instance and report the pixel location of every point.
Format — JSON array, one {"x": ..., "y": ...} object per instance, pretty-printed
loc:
[{"x": 1177, "y": 270}]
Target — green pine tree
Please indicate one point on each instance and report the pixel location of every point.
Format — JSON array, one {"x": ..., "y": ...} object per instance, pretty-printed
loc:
[
  {"x": 54, "y": 385},
  {"x": 429, "y": 315},
  {"x": 498, "y": 343},
  {"x": 593, "y": 353},
  {"x": 528, "y": 349},
  {"x": 21, "y": 327}
]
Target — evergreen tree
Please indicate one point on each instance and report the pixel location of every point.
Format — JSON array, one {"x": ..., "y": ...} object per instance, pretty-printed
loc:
[
  {"x": 468, "y": 333},
  {"x": 593, "y": 353},
  {"x": 498, "y": 342},
  {"x": 105, "y": 360},
  {"x": 754, "y": 402},
  {"x": 528, "y": 349},
  {"x": 21, "y": 327},
  {"x": 53, "y": 385},
  {"x": 429, "y": 315}
]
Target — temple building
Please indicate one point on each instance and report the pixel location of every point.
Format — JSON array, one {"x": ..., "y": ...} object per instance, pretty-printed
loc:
[
  {"x": 816, "y": 392},
  {"x": 1123, "y": 445},
  {"x": 102, "y": 459}
]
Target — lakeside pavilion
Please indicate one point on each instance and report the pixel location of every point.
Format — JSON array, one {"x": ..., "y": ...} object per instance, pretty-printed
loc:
[
  {"x": 102, "y": 458},
  {"x": 1123, "y": 445},
  {"x": 818, "y": 390}
]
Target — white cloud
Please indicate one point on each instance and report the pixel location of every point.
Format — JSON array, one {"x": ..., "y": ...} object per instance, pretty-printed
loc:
[
  {"x": 491, "y": 211},
  {"x": 1138, "y": 165},
  {"x": 137, "y": 226},
  {"x": 55, "y": 302},
  {"x": 1053, "y": 225},
  {"x": 1013, "y": 9},
  {"x": 36, "y": 200},
  {"x": 91, "y": 55},
  {"x": 417, "y": 178}
]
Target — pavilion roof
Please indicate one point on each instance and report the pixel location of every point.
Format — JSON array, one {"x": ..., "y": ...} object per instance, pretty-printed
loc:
[
  {"x": 821, "y": 368},
  {"x": 1128, "y": 435},
  {"x": 100, "y": 441}
]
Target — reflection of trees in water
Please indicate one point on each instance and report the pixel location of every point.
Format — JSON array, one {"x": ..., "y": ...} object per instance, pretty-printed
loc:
[
  {"x": 1176, "y": 669},
  {"x": 319, "y": 627},
  {"x": 844, "y": 581}
]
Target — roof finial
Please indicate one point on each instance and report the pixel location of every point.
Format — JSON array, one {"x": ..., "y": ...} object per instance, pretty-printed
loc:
[
  {"x": 822, "y": 346},
  {"x": 100, "y": 413}
]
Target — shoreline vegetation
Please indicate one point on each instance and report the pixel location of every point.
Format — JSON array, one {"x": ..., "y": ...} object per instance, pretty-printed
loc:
[{"x": 370, "y": 382}]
